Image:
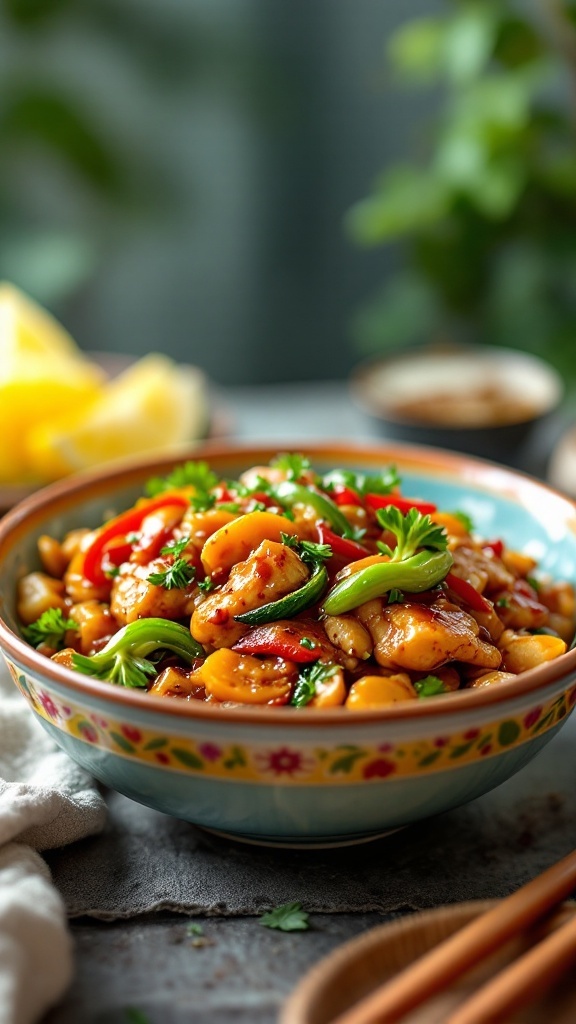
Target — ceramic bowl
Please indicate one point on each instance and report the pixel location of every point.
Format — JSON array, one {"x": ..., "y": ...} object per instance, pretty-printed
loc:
[
  {"x": 282, "y": 775},
  {"x": 478, "y": 399}
]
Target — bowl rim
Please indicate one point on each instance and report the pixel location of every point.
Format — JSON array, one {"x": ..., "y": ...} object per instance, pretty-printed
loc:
[
  {"x": 497, "y": 353},
  {"x": 61, "y": 495}
]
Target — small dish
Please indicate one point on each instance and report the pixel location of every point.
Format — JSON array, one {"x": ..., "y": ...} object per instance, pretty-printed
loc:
[
  {"x": 355, "y": 969},
  {"x": 482, "y": 400}
]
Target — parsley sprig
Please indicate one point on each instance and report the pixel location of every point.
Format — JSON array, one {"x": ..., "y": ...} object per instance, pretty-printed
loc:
[
  {"x": 289, "y": 917},
  {"x": 190, "y": 474},
  {"x": 50, "y": 629},
  {"x": 175, "y": 576},
  {"x": 430, "y": 686},
  {"x": 310, "y": 677},
  {"x": 175, "y": 547},
  {"x": 412, "y": 531},
  {"x": 362, "y": 483},
  {"x": 310, "y": 552},
  {"x": 293, "y": 462}
]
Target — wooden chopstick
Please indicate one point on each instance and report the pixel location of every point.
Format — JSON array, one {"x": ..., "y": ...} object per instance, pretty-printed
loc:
[
  {"x": 518, "y": 984},
  {"x": 437, "y": 969}
]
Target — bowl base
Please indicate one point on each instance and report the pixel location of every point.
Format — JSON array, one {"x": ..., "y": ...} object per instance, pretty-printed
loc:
[{"x": 297, "y": 842}]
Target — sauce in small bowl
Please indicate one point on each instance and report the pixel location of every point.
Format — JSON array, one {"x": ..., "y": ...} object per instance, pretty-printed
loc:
[{"x": 483, "y": 400}]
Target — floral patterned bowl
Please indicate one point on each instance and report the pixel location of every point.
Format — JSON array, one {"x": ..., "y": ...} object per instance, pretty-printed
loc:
[{"x": 283, "y": 775}]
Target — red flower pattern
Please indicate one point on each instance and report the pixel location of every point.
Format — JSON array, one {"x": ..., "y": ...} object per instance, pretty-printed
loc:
[
  {"x": 283, "y": 761},
  {"x": 379, "y": 768}
]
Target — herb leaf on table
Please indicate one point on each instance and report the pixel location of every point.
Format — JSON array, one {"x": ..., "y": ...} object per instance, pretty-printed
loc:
[{"x": 289, "y": 917}]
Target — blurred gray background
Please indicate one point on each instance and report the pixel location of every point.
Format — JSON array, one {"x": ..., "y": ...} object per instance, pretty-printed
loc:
[{"x": 174, "y": 176}]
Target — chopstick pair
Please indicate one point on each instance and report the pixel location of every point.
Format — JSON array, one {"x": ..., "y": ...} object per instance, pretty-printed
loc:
[{"x": 513, "y": 987}]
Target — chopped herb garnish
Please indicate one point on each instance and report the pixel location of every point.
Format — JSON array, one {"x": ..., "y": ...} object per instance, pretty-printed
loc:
[
  {"x": 534, "y": 583},
  {"x": 50, "y": 629},
  {"x": 190, "y": 474},
  {"x": 430, "y": 686},
  {"x": 310, "y": 552},
  {"x": 235, "y": 487},
  {"x": 503, "y": 602},
  {"x": 262, "y": 484},
  {"x": 293, "y": 462},
  {"x": 287, "y": 918},
  {"x": 202, "y": 502},
  {"x": 308, "y": 643},
  {"x": 395, "y": 596},
  {"x": 231, "y": 506},
  {"x": 176, "y": 576},
  {"x": 194, "y": 928},
  {"x": 112, "y": 572},
  {"x": 465, "y": 519},
  {"x": 412, "y": 531},
  {"x": 309, "y": 678},
  {"x": 132, "y": 538},
  {"x": 258, "y": 506},
  {"x": 206, "y": 585},
  {"x": 175, "y": 547},
  {"x": 362, "y": 483}
]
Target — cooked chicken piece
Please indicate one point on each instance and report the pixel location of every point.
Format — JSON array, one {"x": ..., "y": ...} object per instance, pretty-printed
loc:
[
  {"x": 347, "y": 633},
  {"x": 380, "y": 691},
  {"x": 95, "y": 626},
  {"x": 201, "y": 525},
  {"x": 421, "y": 638},
  {"x": 490, "y": 679},
  {"x": 270, "y": 572},
  {"x": 77, "y": 586},
  {"x": 179, "y": 682},
  {"x": 483, "y": 571},
  {"x": 134, "y": 597},
  {"x": 37, "y": 592},
  {"x": 519, "y": 608}
]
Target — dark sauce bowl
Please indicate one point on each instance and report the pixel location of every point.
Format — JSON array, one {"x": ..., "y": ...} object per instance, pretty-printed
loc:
[{"x": 486, "y": 401}]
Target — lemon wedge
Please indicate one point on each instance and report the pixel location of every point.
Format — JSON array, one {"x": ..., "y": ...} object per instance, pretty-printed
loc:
[
  {"x": 42, "y": 371},
  {"x": 154, "y": 406},
  {"x": 27, "y": 330}
]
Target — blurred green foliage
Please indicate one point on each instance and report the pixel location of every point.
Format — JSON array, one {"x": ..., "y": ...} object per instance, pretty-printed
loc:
[{"x": 485, "y": 218}]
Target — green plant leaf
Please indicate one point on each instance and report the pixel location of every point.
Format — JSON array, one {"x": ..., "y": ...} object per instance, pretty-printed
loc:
[
  {"x": 469, "y": 41},
  {"x": 41, "y": 114},
  {"x": 31, "y": 12},
  {"x": 406, "y": 200},
  {"x": 415, "y": 50}
]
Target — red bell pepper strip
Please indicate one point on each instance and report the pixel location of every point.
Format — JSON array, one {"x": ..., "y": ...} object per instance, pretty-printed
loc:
[
  {"x": 497, "y": 546},
  {"x": 342, "y": 495},
  {"x": 279, "y": 640},
  {"x": 376, "y": 501},
  {"x": 468, "y": 593},
  {"x": 126, "y": 522},
  {"x": 349, "y": 549},
  {"x": 117, "y": 551}
]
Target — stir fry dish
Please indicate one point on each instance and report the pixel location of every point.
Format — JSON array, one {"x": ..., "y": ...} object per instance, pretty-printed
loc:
[{"x": 292, "y": 587}]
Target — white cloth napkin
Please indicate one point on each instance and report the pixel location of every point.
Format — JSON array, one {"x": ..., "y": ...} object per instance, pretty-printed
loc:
[{"x": 46, "y": 801}]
